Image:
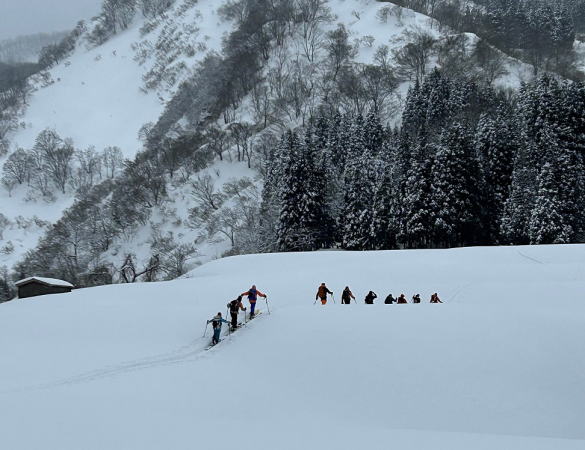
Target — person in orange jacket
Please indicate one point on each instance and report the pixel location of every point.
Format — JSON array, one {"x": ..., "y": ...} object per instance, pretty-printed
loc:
[
  {"x": 253, "y": 294},
  {"x": 322, "y": 293}
]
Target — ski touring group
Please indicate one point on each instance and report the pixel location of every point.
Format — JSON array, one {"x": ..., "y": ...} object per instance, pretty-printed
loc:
[
  {"x": 234, "y": 307},
  {"x": 347, "y": 296}
]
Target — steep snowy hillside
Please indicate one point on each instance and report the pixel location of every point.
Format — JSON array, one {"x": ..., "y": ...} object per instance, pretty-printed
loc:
[
  {"x": 210, "y": 78},
  {"x": 96, "y": 98},
  {"x": 103, "y": 96},
  {"x": 498, "y": 365}
]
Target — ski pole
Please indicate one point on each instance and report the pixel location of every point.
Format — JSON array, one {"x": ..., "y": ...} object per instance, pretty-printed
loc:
[
  {"x": 333, "y": 297},
  {"x": 267, "y": 307},
  {"x": 206, "y": 323}
]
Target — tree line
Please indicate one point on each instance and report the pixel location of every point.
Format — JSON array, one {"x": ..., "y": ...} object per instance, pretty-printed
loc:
[
  {"x": 468, "y": 166},
  {"x": 540, "y": 32},
  {"x": 53, "y": 165}
]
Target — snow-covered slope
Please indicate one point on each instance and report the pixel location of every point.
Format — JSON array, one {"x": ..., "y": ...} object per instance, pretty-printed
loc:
[
  {"x": 95, "y": 96},
  {"x": 498, "y": 365}
]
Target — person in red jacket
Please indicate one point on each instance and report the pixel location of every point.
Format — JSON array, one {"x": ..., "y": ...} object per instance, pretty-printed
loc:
[
  {"x": 401, "y": 300},
  {"x": 253, "y": 294}
]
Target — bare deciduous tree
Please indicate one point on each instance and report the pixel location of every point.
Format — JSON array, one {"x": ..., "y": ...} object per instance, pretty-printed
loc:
[
  {"x": 205, "y": 194},
  {"x": 491, "y": 61},
  {"x": 217, "y": 140},
  {"x": 17, "y": 169},
  {"x": 312, "y": 14},
  {"x": 413, "y": 58},
  {"x": 129, "y": 273},
  {"x": 113, "y": 160},
  {"x": 53, "y": 156}
]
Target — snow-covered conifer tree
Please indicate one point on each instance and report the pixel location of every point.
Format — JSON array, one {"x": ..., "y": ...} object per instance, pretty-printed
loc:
[{"x": 455, "y": 196}]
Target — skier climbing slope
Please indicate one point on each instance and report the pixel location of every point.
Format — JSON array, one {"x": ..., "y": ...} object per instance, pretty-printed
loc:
[
  {"x": 253, "y": 295},
  {"x": 216, "y": 323}
]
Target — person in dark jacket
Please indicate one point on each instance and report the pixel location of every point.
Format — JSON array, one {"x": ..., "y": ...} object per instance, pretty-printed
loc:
[
  {"x": 435, "y": 298},
  {"x": 416, "y": 298},
  {"x": 253, "y": 295},
  {"x": 216, "y": 323},
  {"x": 370, "y": 298},
  {"x": 389, "y": 300},
  {"x": 322, "y": 292},
  {"x": 402, "y": 300},
  {"x": 346, "y": 296},
  {"x": 234, "y": 307}
]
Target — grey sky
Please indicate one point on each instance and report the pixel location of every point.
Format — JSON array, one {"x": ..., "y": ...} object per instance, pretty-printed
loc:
[{"x": 18, "y": 17}]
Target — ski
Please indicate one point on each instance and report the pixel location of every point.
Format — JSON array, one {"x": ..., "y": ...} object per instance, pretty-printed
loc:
[
  {"x": 256, "y": 314},
  {"x": 240, "y": 325}
]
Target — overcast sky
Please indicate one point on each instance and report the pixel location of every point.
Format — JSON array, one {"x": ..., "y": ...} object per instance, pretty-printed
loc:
[{"x": 18, "y": 17}]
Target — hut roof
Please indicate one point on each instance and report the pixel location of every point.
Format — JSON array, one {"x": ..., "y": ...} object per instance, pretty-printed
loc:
[{"x": 45, "y": 281}]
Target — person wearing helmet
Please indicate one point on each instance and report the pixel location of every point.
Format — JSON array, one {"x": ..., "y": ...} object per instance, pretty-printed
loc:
[
  {"x": 322, "y": 292},
  {"x": 216, "y": 323},
  {"x": 234, "y": 307},
  {"x": 253, "y": 294},
  {"x": 346, "y": 296}
]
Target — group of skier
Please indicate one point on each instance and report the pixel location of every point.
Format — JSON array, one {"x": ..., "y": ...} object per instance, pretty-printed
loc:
[
  {"x": 234, "y": 308},
  {"x": 347, "y": 296}
]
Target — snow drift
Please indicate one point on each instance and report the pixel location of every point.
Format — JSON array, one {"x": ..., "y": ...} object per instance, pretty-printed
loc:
[{"x": 499, "y": 365}]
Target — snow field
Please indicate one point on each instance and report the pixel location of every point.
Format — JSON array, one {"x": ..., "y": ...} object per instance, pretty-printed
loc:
[{"x": 499, "y": 365}]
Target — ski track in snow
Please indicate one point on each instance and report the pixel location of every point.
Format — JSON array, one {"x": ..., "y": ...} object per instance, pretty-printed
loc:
[
  {"x": 186, "y": 354},
  {"x": 530, "y": 258}
]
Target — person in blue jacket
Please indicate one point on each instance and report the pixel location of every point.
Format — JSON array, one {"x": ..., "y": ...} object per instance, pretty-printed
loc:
[{"x": 216, "y": 323}]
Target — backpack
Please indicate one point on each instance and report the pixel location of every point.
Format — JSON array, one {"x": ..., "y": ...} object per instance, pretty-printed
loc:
[
  {"x": 216, "y": 323},
  {"x": 234, "y": 305}
]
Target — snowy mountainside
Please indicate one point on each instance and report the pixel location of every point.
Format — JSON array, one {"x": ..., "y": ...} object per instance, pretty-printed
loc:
[
  {"x": 498, "y": 365},
  {"x": 95, "y": 95},
  {"x": 96, "y": 98},
  {"x": 115, "y": 94},
  {"x": 103, "y": 96}
]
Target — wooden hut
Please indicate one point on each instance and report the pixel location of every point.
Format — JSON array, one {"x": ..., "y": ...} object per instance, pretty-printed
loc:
[{"x": 33, "y": 286}]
